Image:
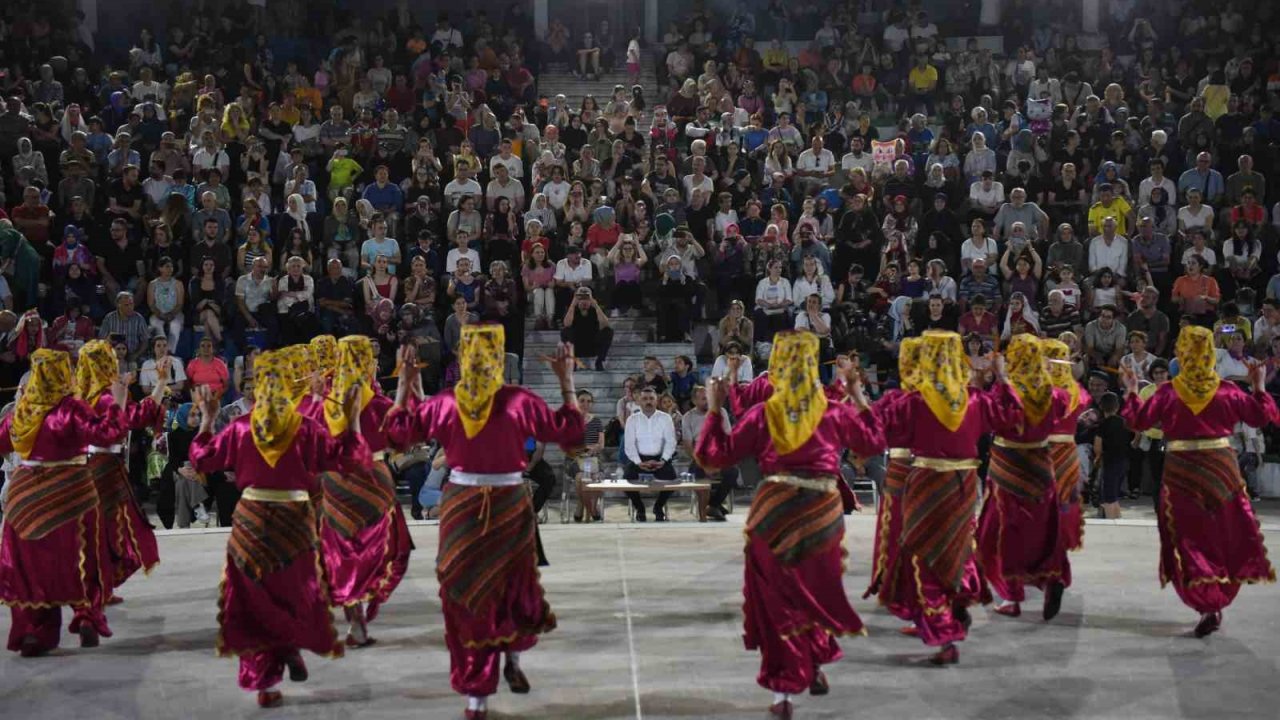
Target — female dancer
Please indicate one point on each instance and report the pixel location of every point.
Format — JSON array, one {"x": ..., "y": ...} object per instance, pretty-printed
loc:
[
  {"x": 889, "y": 518},
  {"x": 937, "y": 577},
  {"x": 1210, "y": 541},
  {"x": 273, "y": 600},
  {"x": 130, "y": 539},
  {"x": 1062, "y": 444},
  {"x": 492, "y": 599},
  {"x": 51, "y": 550},
  {"x": 1018, "y": 537},
  {"x": 795, "y": 603},
  {"x": 363, "y": 534}
]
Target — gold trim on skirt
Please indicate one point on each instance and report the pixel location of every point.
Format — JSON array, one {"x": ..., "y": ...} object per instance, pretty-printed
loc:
[
  {"x": 1015, "y": 445},
  {"x": 278, "y": 496},
  {"x": 1201, "y": 444},
  {"x": 944, "y": 464},
  {"x": 822, "y": 484}
]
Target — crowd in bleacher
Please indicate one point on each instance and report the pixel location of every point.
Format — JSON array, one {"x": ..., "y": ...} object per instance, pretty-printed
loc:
[{"x": 222, "y": 187}]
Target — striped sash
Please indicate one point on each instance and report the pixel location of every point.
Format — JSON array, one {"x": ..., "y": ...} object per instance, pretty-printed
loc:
[
  {"x": 895, "y": 476},
  {"x": 353, "y": 502},
  {"x": 795, "y": 522},
  {"x": 44, "y": 498},
  {"x": 486, "y": 534},
  {"x": 1025, "y": 473},
  {"x": 938, "y": 524},
  {"x": 267, "y": 536},
  {"x": 1209, "y": 477},
  {"x": 1066, "y": 470},
  {"x": 109, "y": 477}
]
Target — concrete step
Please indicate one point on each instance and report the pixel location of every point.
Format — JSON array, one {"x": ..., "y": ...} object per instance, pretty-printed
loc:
[
  {"x": 619, "y": 325},
  {"x": 550, "y": 338},
  {"x": 542, "y": 375}
]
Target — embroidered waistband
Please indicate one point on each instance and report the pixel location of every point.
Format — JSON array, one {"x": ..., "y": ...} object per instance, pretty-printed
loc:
[
  {"x": 276, "y": 496},
  {"x": 460, "y": 477},
  {"x": 1201, "y": 444},
  {"x": 108, "y": 450},
  {"x": 944, "y": 464},
  {"x": 1015, "y": 445},
  {"x": 823, "y": 484},
  {"x": 899, "y": 453},
  {"x": 77, "y": 460},
  {"x": 1063, "y": 438}
]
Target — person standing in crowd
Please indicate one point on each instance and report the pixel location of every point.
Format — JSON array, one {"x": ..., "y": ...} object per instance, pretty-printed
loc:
[
  {"x": 1018, "y": 536},
  {"x": 272, "y": 602},
  {"x": 1062, "y": 444},
  {"x": 942, "y": 578},
  {"x": 54, "y": 550},
  {"x": 125, "y": 530},
  {"x": 795, "y": 602},
  {"x": 363, "y": 534},
  {"x": 1210, "y": 540},
  {"x": 586, "y": 327},
  {"x": 493, "y": 603}
]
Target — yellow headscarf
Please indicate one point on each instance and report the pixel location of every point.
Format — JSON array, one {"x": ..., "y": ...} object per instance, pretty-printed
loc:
[
  {"x": 97, "y": 369},
  {"x": 275, "y": 418},
  {"x": 798, "y": 402},
  {"x": 297, "y": 367},
  {"x": 909, "y": 364},
  {"x": 49, "y": 384},
  {"x": 481, "y": 361},
  {"x": 1197, "y": 379},
  {"x": 324, "y": 353},
  {"x": 1059, "y": 357},
  {"x": 357, "y": 364},
  {"x": 1028, "y": 376},
  {"x": 944, "y": 377}
]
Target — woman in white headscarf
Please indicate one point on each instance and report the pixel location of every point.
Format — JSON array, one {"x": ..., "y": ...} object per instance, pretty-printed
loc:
[{"x": 27, "y": 157}]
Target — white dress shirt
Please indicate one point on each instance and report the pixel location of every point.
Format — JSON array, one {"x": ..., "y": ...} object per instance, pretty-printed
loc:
[{"x": 650, "y": 435}]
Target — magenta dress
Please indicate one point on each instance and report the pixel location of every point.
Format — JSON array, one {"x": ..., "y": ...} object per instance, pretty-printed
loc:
[
  {"x": 1019, "y": 540},
  {"x": 487, "y": 560},
  {"x": 1210, "y": 540},
  {"x": 51, "y": 549},
  {"x": 888, "y": 538},
  {"x": 273, "y": 600},
  {"x": 363, "y": 534},
  {"x": 794, "y": 601},
  {"x": 936, "y": 576},
  {"x": 130, "y": 538},
  {"x": 1067, "y": 474}
]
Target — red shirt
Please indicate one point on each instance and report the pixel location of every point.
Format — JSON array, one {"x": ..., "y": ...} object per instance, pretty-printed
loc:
[
  {"x": 212, "y": 372},
  {"x": 598, "y": 238}
]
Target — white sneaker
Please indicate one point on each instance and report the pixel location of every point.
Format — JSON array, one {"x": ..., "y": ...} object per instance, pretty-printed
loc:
[{"x": 202, "y": 515}]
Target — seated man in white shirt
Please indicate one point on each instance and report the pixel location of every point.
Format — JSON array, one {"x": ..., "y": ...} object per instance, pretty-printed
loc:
[
  {"x": 649, "y": 441},
  {"x": 815, "y": 166}
]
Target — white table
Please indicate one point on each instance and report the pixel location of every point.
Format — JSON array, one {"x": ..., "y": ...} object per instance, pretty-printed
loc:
[{"x": 701, "y": 491}]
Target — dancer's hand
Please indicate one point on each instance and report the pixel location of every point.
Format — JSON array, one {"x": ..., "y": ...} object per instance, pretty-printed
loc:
[
  {"x": 406, "y": 368},
  {"x": 208, "y": 405},
  {"x": 351, "y": 408},
  {"x": 1258, "y": 376},
  {"x": 1129, "y": 379},
  {"x": 733, "y": 362},
  {"x": 563, "y": 364},
  {"x": 119, "y": 392},
  {"x": 717, "y": 392}
]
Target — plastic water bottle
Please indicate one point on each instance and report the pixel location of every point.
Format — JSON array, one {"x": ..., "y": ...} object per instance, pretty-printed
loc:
[
  {"x": 686, "y": 477},
  {"x": 617, "y": 475}
]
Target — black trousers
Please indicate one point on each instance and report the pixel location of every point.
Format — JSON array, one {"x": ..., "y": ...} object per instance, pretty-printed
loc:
[
  {"x": 223, "y": 491},
  {"x": 632, "y": 472},
  {"x": 588, "y": 344},
  {"x": 166, "y": 500},
  {"x": 544, "y": 483},
  {"x": 721, "y": 486}
]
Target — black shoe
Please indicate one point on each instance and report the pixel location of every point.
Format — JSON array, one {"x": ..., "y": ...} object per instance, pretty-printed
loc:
[
  {"x": 659, "y": 515},
  {"x": 599, "y": 366},
  {"x": 1053, "y": 601},
  {"x": 1209, "y": 624},
  {"x": 716, "y": 513},
  {"x": 640, "y": 517},
  {"x": 819, "y": 685},
  {"x": 962, "y": 614}
]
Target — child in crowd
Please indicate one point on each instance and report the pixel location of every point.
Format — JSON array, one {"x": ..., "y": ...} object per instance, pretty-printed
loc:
[{"x": 1111, "y": 455}]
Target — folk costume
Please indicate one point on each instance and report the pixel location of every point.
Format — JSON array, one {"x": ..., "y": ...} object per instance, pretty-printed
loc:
[
  {"x": 1062, "y": 444},
  {"x": 1210, "y": 540},
  {"x": 795, "y": 604}
]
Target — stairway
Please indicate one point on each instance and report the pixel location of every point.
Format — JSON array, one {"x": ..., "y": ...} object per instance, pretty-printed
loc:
[{"x": 557, "y": 79}]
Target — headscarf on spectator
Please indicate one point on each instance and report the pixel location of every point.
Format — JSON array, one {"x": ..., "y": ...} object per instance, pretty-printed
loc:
[
  {"x": 798, "y": 401},
  {"x": 357, "y": 366},
  {"x": 48, "y": 384},
  {"x": 481, "y": 362},
  {"x": 296, "y": 208},
  {"x": 1059, "y": 357},
  {"x": 98, "y": 368},
  {"x": 275, "y": 419},
  {"x": 1197, "y": 381},
  {"x": 70, "y": 125},
  {"x": 945, "y": 384},
  {"x": 1028, "y": 315},
  {"x": 1028, "y": 377}
]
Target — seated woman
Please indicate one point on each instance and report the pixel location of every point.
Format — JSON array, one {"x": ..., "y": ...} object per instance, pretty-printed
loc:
[
  {"x": 584, "y": 465},
  {"x": 148, "y": 376}
]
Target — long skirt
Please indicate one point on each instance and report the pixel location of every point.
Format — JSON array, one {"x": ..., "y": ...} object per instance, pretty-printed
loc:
[
  {"x": 273, "y": 600},
  {"x": 51, "y": 554},
  {"x": 794, "y": 599},
  {"x": 128, "y": 536},
  {"x": 884, "y": 558},
  {"x": 1210, "y": 540},
  {"x": 1018, "y": 536},
  {"x": 1066, "y": 471},
  {"x": 489, "y": 584},
  {"x": 937, "y": 573},
  {"x": 363, "y": 536}
]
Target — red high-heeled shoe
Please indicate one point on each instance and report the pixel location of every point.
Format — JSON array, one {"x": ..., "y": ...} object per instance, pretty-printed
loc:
[
  {"x": 476, "y": 715},
  {"x": 1012, "y": 610},
  {"x": 781, "y": 710},
  {"x": 948, "y": 655},
  {"x": 270, "y": 698},
  {"x": 909, "y": 631}
]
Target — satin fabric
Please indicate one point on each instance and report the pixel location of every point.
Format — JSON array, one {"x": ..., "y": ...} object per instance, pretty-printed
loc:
[
  {"x": 1019, "y": 537},
  {"x": 1218, "y": 419},
  {"x": 997, "y": 410},
  {"x": 744, "y": 397},
  {"x": 887, "y": 549},
  {"x": 516, "y": 416},
  {"x": 47, "y": 387},
  {"x": 797, "y": 404},
  {"x": 312, "y": 451},
  {"x": 128, "y": 535},
  {"x": 842, "y": 427},
  {"x": 1206, "y": 556},
  {"x": 369, "y": 566},
  {"x": 1066, "y": 461},
  {"x": 1197, "y": 380}
]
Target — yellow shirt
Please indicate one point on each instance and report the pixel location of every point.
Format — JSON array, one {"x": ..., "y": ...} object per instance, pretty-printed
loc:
[
  {"x": 775, "y": 57},
  {"x": 923, "y": 80},
  {"x": 1120, "y": 209},
  {"x": 344, "y": 172},
  {"x": 1144, "y": 394}
]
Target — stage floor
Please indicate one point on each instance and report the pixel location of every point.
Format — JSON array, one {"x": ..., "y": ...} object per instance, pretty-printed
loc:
[{"x": 650, "y": 623}]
